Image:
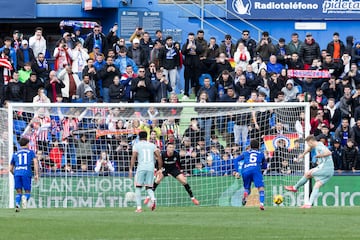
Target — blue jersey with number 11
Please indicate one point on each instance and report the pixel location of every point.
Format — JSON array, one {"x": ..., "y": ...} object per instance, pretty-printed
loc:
[
  {"x": 253, "y": 161},
  {"x": 22, "y": 161}
]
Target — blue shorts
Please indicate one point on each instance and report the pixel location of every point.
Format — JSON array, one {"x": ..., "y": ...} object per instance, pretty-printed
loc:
[
  {"x": 23, "y": 182},
  {"x": 252, "y": 176}
]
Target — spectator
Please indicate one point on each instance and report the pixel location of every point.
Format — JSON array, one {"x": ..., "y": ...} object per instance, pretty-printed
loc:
[
  {"x": 242, "y": 56},
  {"x": 320, "y": 98},
  {"x": 41, "y": 67},
  {"x": 37, "y": 42},
  {"x": 126, "y": 80},
  {"x": 41, "y": 97},
  {"x": 242, "y": 125},
  {"x": 123, "y": 61},
  {"x": 24, "y": 54},
  {"x": 281, "y": 52},
  {"x": 350, "y": 156},
  {"x": 265, "y": 48},
  {"x": 263, "y": 82},
  {"x": 356, "y": 131},
  {"x": 169, "y": 61},
  {"x": 209, "y": 89},
  {"x": 310, "y": 50},
  {"x": 258, "y": 64},
  {"x": 141, "y": 87},
  {"x": 24, "y": 73},
  {"x": 154, "y": 54},
  {"x": 56, "y": 155},
  {"x": 53, "y": 86},
  {"x": 16, "y": 40},
  {"x": 161, "y": 87},
  {"x": 241, "y": 88},
  {"x": 136, "y": 53},
  {"x": 337, "y": 155},
  {"x": 336, "y": 48},
  {"x": 96, "y": 38},
  {"x": 212, "y": 50},
  {"x": 343, "y": 103},
  {"x": 355, "y": 53},
  {"x": 205, "y": 123},
  {"x": 310, "y": 85},
  {"x": 107, "y": 74},
  {"x": 300, "y": 125},
  {"x": 96, "y": 52},
  {"x": 90, "y": 71},
  {"x": 221, "y": 64},
  {"x": 85, "y": 83},
  {"x": 112, "y": 37},
  {"x": 191, "y": 51},
  {"x": 15, "y": 89},
  {"x": 334, "y": 67},
  {"x": 332, "y": 89},
  {"x": 273, "y": 65},
  {"x": 147, "y": 44},
  {"x": 71, "y": 82},
  {"x": 294, "y": 45},
  {"x": 280, "y": 154},
  {"x": 294, "y": 62},
  {"x": 249, "y": 43},
  {"x": 353, "y": 75},
  {"x": 79, "y": 57},
  {"x": 275, "y": 86},
  {"x": 290, "y": 91},
  {"x": 344, "y": 132},
  {"x": 88, "y": 96},
  {"x": 104, "y": 166},
  {"x": 229, "y": 96},
  {"x": 349, "y": 44},
  {"x": 31, "y": 87},
  {"x": 62, "y": 55},
  {"x": 227, "y": 47},
  {"x": 333, "y": 113},
  {"x": 116, "y": 90}
]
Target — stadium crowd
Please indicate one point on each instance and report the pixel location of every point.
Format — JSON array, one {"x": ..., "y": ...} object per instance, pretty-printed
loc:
[{"x": 102, "y": 67}]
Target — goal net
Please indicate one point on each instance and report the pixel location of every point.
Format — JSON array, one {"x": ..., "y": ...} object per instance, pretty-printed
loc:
[{"x": 71, "y": 140}]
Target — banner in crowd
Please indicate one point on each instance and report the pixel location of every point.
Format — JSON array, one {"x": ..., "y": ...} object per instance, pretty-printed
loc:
[
  {"x": 293, "y": 10},
  {"x": 308, "y": 73},
  {"x": 81, "y": 24},
  {"x": 271, "y": 141}
]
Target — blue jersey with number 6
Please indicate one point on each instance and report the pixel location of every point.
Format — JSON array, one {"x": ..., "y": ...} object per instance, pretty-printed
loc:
[
  {"x": 22, "y": 161},
  {"x": 253, "y": 161}
]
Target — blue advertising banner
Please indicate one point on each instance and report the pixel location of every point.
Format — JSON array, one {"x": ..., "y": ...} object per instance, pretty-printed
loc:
[
  {"x": 294, "y": 10},
  {"x": 22, "y": 9}
]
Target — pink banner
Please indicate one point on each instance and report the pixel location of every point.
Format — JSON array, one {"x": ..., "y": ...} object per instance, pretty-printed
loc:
[{"x": 308, "y": 73}]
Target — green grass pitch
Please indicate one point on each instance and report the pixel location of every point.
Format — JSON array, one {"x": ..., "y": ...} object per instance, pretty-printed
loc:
[{"x": 170, "y": 223}]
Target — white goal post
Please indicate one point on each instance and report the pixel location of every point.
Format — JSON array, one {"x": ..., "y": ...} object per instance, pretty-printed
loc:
[{"x": 70, "y": 138}]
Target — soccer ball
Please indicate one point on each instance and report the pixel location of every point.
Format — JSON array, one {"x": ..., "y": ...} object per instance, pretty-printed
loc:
[
  {"x": 278, "y": 199},
  {"x": 130, "y": 197}
]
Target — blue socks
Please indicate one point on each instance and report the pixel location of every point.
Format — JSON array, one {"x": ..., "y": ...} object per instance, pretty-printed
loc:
[
  {"x": 18, "y": 199},
  {"x": 262, "y": 196}
]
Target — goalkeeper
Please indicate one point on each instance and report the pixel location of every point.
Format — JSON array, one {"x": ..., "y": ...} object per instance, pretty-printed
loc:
[
  {"x": 172, "y": 166},
  {"x": 322, "y": 172}
]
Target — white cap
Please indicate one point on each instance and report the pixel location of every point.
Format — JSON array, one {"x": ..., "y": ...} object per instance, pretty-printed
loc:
[
  {"x": 23, "y": 42},
  {"x": 136, "y": 40}
]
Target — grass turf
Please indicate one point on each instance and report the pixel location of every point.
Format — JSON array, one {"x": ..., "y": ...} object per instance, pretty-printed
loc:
[{"x": 181, "y": 223}]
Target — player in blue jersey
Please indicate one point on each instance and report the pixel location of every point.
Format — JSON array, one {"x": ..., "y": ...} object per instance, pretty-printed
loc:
[
  {"x": 20, "y": 167},
  {"x": 322, "y": 172},
  {"x": 145, "y": 154},
  {"x": 253, "y": 162}
]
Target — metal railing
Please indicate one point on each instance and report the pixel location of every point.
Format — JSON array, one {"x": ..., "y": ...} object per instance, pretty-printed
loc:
[{"x": 203, "y": 20}]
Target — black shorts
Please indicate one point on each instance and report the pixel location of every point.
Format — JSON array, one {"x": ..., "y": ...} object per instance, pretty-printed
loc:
[{"x": 173, "y": 171}]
